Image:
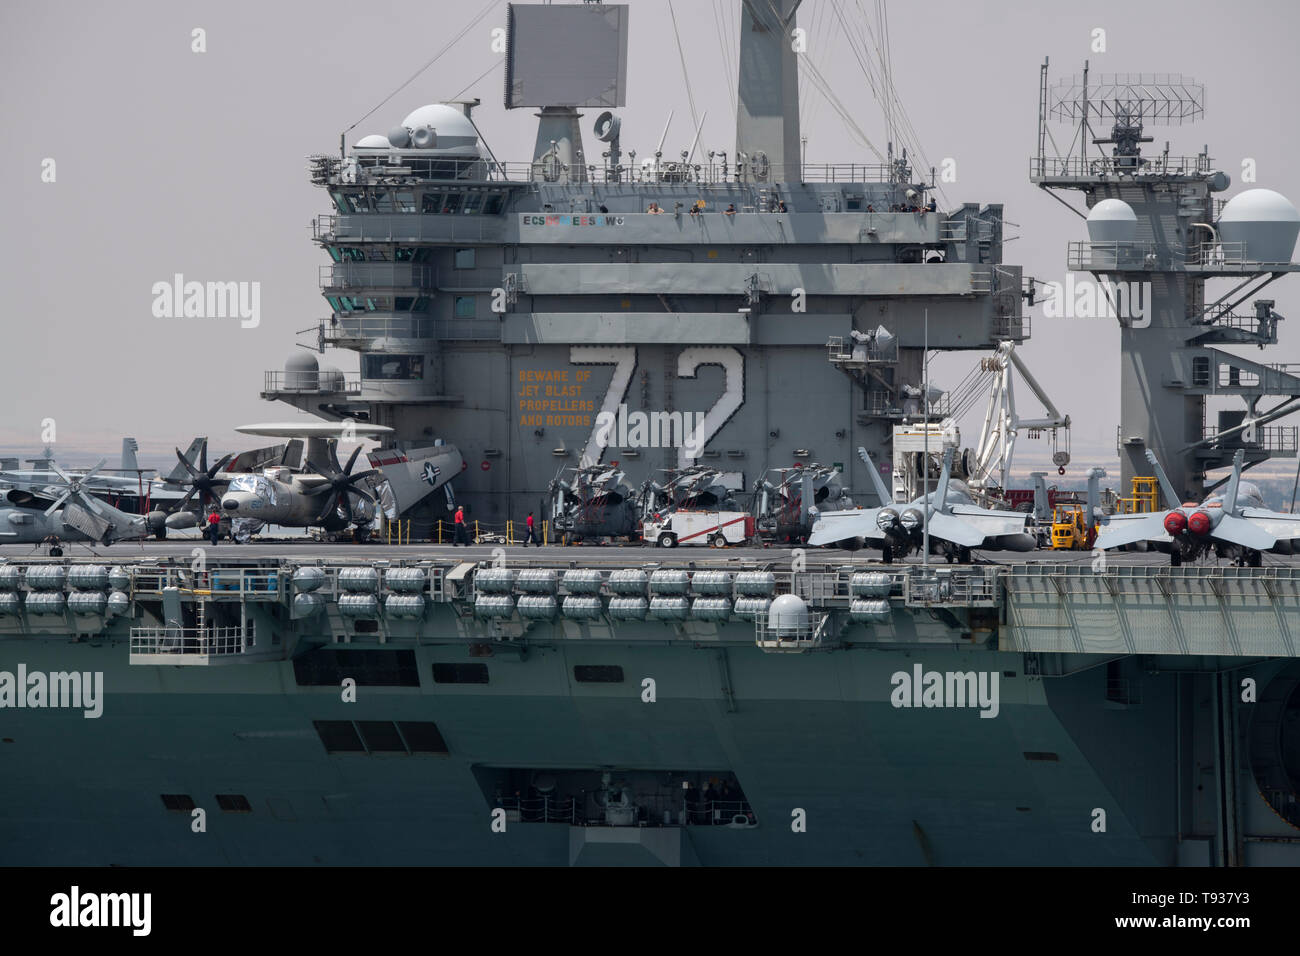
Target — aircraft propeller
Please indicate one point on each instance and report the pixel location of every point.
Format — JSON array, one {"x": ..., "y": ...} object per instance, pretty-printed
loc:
[{"x": 340, "y": 484}]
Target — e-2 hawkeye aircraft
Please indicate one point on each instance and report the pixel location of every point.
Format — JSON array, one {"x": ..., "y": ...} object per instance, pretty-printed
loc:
[
  {"x": 1232, "y": 524},
  {"x": 957, "y": 525},
  {"x": 327, "y": 496},
  {"x": 32, "y": 517}
]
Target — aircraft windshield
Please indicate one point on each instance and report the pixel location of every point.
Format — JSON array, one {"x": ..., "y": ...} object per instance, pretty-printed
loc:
[{"x": 254, "y": 484}]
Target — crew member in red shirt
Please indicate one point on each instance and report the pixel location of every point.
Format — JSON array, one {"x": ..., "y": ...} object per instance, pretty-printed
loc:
[
  {"x": 530, "y": 537},
  {"x": 459, "y": 520}
]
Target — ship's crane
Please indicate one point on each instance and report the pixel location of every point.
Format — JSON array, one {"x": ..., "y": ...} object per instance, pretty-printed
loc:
[{"x": 1002, "y": 424}]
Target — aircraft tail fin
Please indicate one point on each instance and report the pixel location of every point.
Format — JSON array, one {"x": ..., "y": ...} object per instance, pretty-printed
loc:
[
  {"x": 877, "y": 483},
  {"x": 178, "y": 474},
  {"x": 940, "y": 500},
  {"x": 1230, "y": 495},
  {"x": 1172, "y": 498},
  {"x": 1042, "y": 505},
  {"x": 129, "y": 463},
  {"x": 1093, "y": 514}
]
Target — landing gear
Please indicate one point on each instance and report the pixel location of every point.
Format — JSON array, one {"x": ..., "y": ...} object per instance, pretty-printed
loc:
[
  {"x": 1254, "y": 559},
  {"x": 1176, "y": 559},
  {"x": 963, "y": 555},
  {"x": 160, "y": 534},
  {"x": 886, "y": 554}
]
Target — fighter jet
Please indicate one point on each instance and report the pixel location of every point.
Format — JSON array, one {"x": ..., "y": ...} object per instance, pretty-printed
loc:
[
  {"x": 1232, "y": 524},
  {"x": 957, "y": 525},
  {"x": 73, "y": 514}
]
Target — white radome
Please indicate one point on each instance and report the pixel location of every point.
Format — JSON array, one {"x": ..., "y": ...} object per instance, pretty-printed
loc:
[
  {"x": 1112, "y": 220},
  {"x": 446, "y": 120},
  {"x": 373, "y": 141},
  {"x": 788, "y": 612},
  {"x": 1266, "y": 221}
]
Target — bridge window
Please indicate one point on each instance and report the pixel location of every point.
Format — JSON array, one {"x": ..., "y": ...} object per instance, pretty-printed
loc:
[
  {"x": 180, "y": 802},
  {"x": 464, "y": 258},
  {"x": 234, "y": 803},
  {"x": 393, "y": 367},
  {"x": 494, "y": 204},
  {"x": 466, "y": 307},
  {"x": 405, "y": 202}
]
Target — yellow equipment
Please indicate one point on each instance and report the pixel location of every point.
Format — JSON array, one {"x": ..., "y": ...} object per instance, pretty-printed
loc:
[
  {"x": 1069, "y": 528},
  {"x": 1144, "y": 499}
]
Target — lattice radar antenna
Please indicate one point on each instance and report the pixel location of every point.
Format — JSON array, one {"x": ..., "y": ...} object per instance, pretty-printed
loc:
[{"x": 1126, "y": 102}]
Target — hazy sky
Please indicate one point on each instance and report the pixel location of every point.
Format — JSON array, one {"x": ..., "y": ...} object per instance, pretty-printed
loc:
[{"x": 172, "y": 161}]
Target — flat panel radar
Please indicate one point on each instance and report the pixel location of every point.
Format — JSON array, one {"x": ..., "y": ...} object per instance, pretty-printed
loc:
[{"x": 566, "y": 55}]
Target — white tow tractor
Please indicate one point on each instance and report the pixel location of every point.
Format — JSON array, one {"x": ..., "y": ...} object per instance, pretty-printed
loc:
[{"x": 714, "y": 528}]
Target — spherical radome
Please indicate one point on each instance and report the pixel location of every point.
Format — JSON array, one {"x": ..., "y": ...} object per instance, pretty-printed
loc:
[
  {"x": 788, "y": 612},
  {"x": 1112, "y": 220},
  {"x": 300, "y": 371},
  {"x": 373, "y": 141},
  {"x": 446, "y": 120},
  {"x": 1266, "y": 222}
]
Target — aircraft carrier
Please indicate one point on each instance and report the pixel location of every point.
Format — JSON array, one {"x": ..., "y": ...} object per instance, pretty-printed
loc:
[{"x": 299, "y": 703}]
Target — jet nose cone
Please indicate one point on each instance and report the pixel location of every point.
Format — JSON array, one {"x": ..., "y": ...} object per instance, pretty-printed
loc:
[{"x": 230, "y": 504}]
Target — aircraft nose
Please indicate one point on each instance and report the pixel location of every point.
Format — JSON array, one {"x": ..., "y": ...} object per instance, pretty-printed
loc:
[{"x": 230, "y": 504}]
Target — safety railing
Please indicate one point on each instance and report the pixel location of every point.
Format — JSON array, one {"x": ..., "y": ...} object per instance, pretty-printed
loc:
[
  {"x": 1264, "y": 327},
  {"x": 385, "y": 227},
  {"x": 482, "y": 532},
  {"x": 942, "y": 586},
  {"x": 1111, "y": 256},
  {"x": 1076, "y": 167},
  {"x": 849, "y": 352},
  {"x": 1275, "y": 439},
  {"x": 1054, "y": 580},
  {"x": 400, "y": 165},
  {"x": 188, "y": 645},
  {"x": 643, "y": 810},
  {"x": 955, "y": 230},
  {"x": 279, "y": 380},
  {"x": 349, "y": 328},
  {"x": 885, "y": 404},
  {"x": 376, "y": 275}
]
